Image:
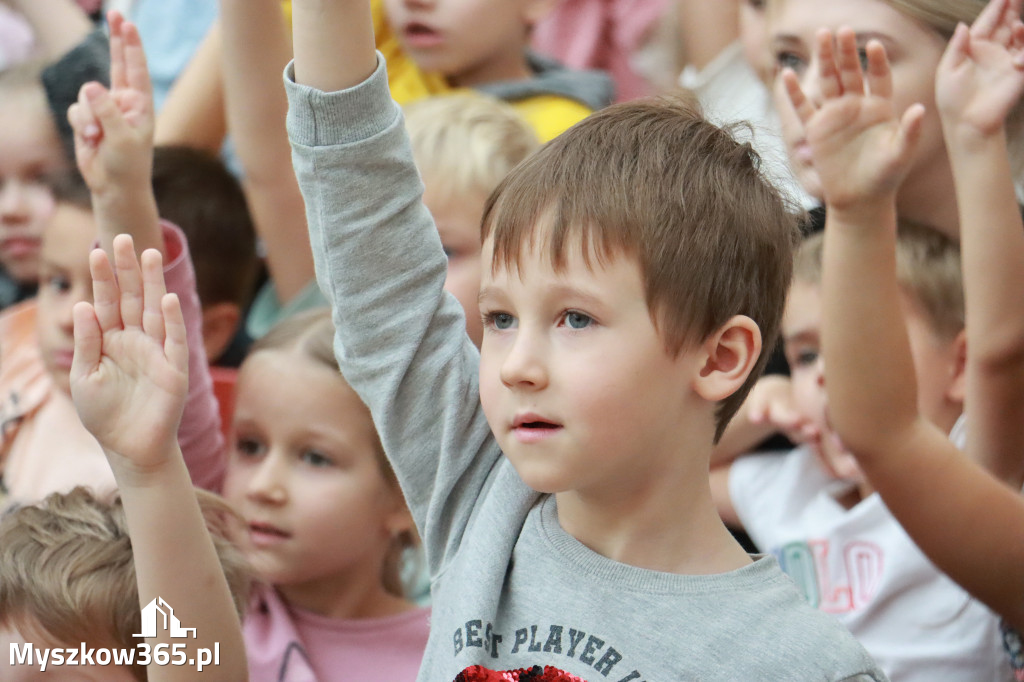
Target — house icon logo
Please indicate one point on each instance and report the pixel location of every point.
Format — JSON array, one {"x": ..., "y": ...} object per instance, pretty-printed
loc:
[{"x": 158, "y": 615}]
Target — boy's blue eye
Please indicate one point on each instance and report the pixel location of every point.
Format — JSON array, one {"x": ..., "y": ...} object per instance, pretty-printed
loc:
[
  {"x": 58, "y": 284},
  {"x": 316, "y": 459},
  {"x": 577, "y": 320},
  {"x": 500, "y": 321}
]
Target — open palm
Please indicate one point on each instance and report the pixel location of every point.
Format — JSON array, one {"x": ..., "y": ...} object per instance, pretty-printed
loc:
[
  {"x": 981, "y": 75},
  {"x": 860, "y": 144},
  {"x": 129, "y": 377}
]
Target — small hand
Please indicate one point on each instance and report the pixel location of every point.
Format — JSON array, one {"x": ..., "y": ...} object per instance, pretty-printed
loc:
[
  {"x": 981, "y": 75},
  {"x": 861, "y": 148},
  {"x": 771, "y": 402},
  {"x": 114, "y": 128},
  {"x": 129, "y": 375}
]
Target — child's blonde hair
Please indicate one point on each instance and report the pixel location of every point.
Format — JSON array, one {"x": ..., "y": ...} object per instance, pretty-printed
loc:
[
  {"x": 467, "y": 141},
  {"x": 927, "y": 269},
  {"x": 311, "y": 334},
  {"x": 67, "y": 569}
]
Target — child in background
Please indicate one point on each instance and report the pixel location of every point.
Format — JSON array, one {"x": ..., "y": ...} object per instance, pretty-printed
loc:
[
  {"x": 598, "y": 529},
  {"x": 196, "y": 192},
  {"x": 816, "y": 512},
  {"x": 45, "y": 448},
  {"x": 29, "y": 151},
  {"x": 915, "y": 33},
  {"x": 327, "y": 524},
  {"x": 78, "y": 572},
  {"x": 960, "y": 516},
  {"x": 464, "y": 145}
]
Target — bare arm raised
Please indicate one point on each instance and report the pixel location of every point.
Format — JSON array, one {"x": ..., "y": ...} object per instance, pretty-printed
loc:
[
  {"x": 129, "y": 382},
  {"x": 114, "y": 142}
]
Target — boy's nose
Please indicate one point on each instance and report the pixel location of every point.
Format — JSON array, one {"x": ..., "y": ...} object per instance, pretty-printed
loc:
[
  {"x": 524, "y": 364},
  {"x": 819, "y": 368}
]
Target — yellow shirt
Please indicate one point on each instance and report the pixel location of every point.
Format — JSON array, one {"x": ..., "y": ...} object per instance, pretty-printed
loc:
[{"x": 549, "y": 115}]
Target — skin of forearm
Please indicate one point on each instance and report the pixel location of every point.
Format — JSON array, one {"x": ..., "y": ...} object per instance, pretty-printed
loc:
[
  {"x": 175, "y": 559},
  {"x": 128, "y": 210},
  {"x": 334, "y": 44},
  {"x": 58, "y": 25},
  {"x": 868, "y": 369}
]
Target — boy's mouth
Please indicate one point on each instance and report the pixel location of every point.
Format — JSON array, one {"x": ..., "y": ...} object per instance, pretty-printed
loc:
[
  {"x": 530, "y": 428},
  {"x": 262, "y": 533},
  {"x": 420, "y": 35}
]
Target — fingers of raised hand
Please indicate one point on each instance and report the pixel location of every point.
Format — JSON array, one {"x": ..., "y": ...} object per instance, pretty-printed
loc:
[
  {"x": 175, "y": 341},
  {"x": 879, "y": 74},
  {"x": 153, "y": 290},
  {"x": 115, "y": 20},
  {"x": 829, "y": 83},
  {"x": 851, "y": 78},
  {"x": 988, "y": 21},
  {"x": 128, "y": 69},
  {"x": 802, "y": 105},
  {"x": 82, "y": 119},
  {"x": 88, "y": 341},
  {"x": 106, "y": 295},
  {"x": 129, "y": 279},
  {"x": 910, "y": 130}
]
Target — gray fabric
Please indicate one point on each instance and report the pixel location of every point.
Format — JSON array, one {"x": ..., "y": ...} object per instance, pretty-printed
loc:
[
  {"x": 590, "y": 87},
  {"x": 511, "y": 589}
]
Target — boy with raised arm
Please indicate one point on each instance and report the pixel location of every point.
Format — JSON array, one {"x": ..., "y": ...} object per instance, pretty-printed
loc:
[
  {"x": 632, "y": 270},
  {"x": 929, "y": 486}
]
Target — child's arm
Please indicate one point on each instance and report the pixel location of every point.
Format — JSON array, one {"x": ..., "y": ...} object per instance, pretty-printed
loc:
[
  {"x": 980, "y": 79},
  {"x": 129, "y": 382},
  {"x": 255, "y": 49},
  {"x": 193, "y": 112},
  {"x": 932, "y": 489},
  {"x": 114, "y": 143},
  {"x": 114, "y": 150},
  {"x": 401, "y": 339}
]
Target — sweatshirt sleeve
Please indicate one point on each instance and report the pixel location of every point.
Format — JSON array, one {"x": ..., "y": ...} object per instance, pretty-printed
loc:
[
  {"x": 199, "y": 435},
  {"x": 400, "y": 339}
]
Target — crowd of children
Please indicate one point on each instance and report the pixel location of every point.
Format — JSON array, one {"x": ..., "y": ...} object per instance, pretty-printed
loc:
[{"x": 429, "y": 362}]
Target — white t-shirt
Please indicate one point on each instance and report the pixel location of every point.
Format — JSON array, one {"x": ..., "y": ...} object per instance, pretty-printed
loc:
[{"x": 860, "y": 565}]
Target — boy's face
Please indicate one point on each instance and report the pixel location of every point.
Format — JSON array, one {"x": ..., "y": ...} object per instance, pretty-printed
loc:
[
  {"x": 468, "y": 41},
  {"x": 29, "y": 150},
  {"x": 575, "y": 380},
  {"x": 64, "y": 280},
  {"x": 801, "y": 334},
  {"x": 458, "y": 222}
]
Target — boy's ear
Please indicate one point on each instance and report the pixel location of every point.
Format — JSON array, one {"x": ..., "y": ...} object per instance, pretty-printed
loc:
[
  {"x": 957, "y": 390},
  {"x": 729, "y": 356},
  {"x": 220, "y": 323}
]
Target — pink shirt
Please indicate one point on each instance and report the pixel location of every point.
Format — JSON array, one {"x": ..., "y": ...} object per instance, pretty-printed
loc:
[
  {"x": 43, "y": 446},
  {"x": 284, "y": 644},
  {"x": 600, "y": 34}
]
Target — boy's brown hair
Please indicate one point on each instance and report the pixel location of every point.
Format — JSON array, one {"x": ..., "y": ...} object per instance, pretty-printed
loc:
[
  {"x": 654, "y": 180},
  {"x": 927, "y": 269},
  {"x": 66, "y": 569}
]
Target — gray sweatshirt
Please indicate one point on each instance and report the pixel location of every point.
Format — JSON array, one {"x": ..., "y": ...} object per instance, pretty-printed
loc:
[{"x": 511, "y": 589}]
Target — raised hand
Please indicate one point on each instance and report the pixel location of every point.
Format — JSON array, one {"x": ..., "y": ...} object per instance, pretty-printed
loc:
[
  {"x": 129, "y": 375},
  {"x": 114, "y": 128},
  {"x": 981, "y": 75},
  {"x": 771, "y": 402},
  {"x": 861, "y": 146}
]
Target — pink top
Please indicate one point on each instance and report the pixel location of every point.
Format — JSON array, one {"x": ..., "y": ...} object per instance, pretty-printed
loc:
[
  {"x": 600, "y": 34},
  {"x": 284, "y": 644},
  {"x": 43, "y": 446}
]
